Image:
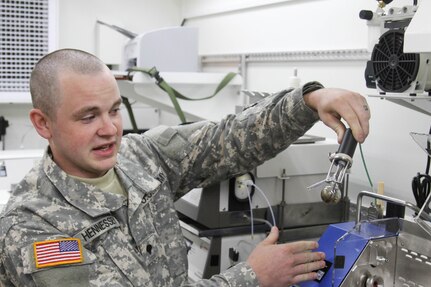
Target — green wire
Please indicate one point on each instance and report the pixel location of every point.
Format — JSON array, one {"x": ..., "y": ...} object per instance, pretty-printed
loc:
[
  {"x": 365, "y": 167},
  {"x": 366, "y": 171}
]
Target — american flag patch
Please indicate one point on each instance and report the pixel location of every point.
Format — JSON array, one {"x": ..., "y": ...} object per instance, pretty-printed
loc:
[{"x": 57, "y": 252}]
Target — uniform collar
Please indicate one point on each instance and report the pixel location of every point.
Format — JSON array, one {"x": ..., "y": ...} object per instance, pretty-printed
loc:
[
  {"x": 92, "y": 200},
  {"x": 85, "y": 197}
]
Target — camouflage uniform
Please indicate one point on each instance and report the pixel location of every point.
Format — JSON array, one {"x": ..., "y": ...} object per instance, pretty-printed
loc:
[{"x": 137, "y": 241}]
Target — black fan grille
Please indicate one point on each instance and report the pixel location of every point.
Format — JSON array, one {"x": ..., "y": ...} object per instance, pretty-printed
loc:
[{"x": 394, "y": 71}]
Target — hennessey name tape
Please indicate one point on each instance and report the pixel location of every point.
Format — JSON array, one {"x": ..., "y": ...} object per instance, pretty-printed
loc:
[{"x": 90, "y": 233}]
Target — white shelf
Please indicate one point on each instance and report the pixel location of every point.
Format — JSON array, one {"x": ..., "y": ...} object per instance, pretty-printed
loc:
[
  {"x": 192, "y": 85},
  {"x": 420, "y": 103},
  {"x": 15, "y": 98},
  {"x": 21, "y": 154},
  {"x": 16, "y": 163}
]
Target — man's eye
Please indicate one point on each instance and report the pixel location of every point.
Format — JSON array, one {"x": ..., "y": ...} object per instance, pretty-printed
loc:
[
  {"x": 88, "y": 118},
  {"x": 115, "y": 111}
]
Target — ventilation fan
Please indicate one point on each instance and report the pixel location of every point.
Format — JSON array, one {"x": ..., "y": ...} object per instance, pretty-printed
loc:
[
  {"x": 394, "y": 71},
  {"x": 390, "y": 70}
]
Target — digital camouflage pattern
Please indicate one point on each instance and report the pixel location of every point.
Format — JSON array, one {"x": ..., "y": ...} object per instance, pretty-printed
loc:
[{"x": 137, "y": 241}]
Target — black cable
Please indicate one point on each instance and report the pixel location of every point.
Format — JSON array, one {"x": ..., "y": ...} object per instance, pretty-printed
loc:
[
  {"x": 421, "y": 186},
  {"x": 3, "y": 125},
  {"x": 421, "y": 183},
  {"x": 427, "y": 169}
]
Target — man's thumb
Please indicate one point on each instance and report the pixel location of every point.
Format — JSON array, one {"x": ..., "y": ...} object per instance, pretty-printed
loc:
[{"x": 272, "y": 237}]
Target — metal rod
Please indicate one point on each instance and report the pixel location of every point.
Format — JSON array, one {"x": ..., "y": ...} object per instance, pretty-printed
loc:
[
  {"x": 243, "y": 71},
  {"x": 426, "y": 203},
  {"x": 283, "y": 199},
  {"x": 385, "y": 198}
]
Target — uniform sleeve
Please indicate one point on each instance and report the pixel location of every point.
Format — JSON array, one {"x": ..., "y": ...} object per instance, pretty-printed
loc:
[
  {"x": 239, "y": 143},
  {"x": 17, "y": 265},
  {"x": 240, "y": 275}
]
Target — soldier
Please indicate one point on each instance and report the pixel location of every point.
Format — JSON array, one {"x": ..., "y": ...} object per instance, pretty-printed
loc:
[{"x": 98, "y": 210}]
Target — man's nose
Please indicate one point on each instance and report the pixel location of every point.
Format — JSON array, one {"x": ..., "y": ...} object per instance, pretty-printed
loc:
[{"x": 107, "y": 127}]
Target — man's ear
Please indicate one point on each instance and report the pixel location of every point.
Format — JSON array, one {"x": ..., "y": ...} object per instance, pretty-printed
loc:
[{"x": 41, "y": 123}]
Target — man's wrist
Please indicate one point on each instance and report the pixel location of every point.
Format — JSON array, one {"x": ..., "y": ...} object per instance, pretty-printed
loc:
[
  {"x": 311, "y": 87},
  {"x": 307, "y": 91}
]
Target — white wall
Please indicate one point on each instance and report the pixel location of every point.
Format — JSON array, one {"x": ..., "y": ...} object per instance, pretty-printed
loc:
[
  {"x": 244, "y": 26},
  {"x": 229, "y": 27},
  {"x": 77, "y": 28},
  {"x": 78, "y": 23},
  {"x": 285, "y": 26}
]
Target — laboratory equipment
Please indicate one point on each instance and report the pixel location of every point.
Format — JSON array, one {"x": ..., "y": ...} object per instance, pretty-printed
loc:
[
  {"x": 155, "y": 49},
  {"x": 209, "y": 253},
  {"x": 217, "y": 206},
  {"x": 341, "y": 161},
  {"x": 384, "y": 252},
  {"x": 218, "y": 219},
  {"x": 395, "y": 250},
  {"x": 180, "y": 69},
  {"x": 3, "y": 125},
  {"x": 14, "y": 165},
  {"x": 400, "y": 59}
]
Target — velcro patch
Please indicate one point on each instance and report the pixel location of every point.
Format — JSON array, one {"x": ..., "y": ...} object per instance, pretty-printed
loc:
[
  {"x": 57, "y": 252},
  {"x": 96, "y": 229}
]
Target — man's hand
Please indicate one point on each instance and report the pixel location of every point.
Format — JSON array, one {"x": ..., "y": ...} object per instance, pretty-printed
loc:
[
  {"x": 334, "y": 104},
  {"x": 285, "y": 264}
]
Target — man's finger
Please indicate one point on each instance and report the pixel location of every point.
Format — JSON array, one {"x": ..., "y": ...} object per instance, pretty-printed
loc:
[
  {"x": 308, "y": 256},
  {"x": 301, "y": 246},
  {"x": 272, "y": 237},
  {"x": 304, "y": 277},
  {"x": 363, "y": 114},
  {"x": 334, "y": 122}
]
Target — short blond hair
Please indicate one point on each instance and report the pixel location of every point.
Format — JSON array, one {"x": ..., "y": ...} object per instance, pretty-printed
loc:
[{"x": 44, "y": 81}]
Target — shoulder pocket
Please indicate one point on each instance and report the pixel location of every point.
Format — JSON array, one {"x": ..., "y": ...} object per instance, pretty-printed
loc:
[
  {"x": 170, "y": 141},
  {"x": 70, "y": 274}
]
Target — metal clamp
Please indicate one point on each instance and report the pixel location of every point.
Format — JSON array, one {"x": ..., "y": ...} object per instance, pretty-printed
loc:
[{"x": 387, "y": 199}]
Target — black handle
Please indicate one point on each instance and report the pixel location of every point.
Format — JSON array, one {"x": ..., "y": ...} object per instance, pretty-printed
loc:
[{"x": 348, "y": 144}]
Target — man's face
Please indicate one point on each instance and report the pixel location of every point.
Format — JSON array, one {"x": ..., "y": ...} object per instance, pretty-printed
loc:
[{"x": 86, "y": 133}]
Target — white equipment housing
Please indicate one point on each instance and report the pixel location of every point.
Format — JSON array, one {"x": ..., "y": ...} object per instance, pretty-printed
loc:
[
  {"x": 14, "y": 164},
  {"x": 400, "y": 60},
  {"x": 173, "y": 49}
]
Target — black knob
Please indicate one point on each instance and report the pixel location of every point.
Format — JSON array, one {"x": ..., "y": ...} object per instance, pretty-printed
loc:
[{"x": 366, "y": 14}]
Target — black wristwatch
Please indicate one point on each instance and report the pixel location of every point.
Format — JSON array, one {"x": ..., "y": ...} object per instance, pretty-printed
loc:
[{"x": 311, "y": 87}]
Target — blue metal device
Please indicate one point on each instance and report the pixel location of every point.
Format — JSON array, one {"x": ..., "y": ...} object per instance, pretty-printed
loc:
[
  {"x": 383, "y": 252},
  {"x": 327, "y": 245},
  {"x": 343, "y": 244}
]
